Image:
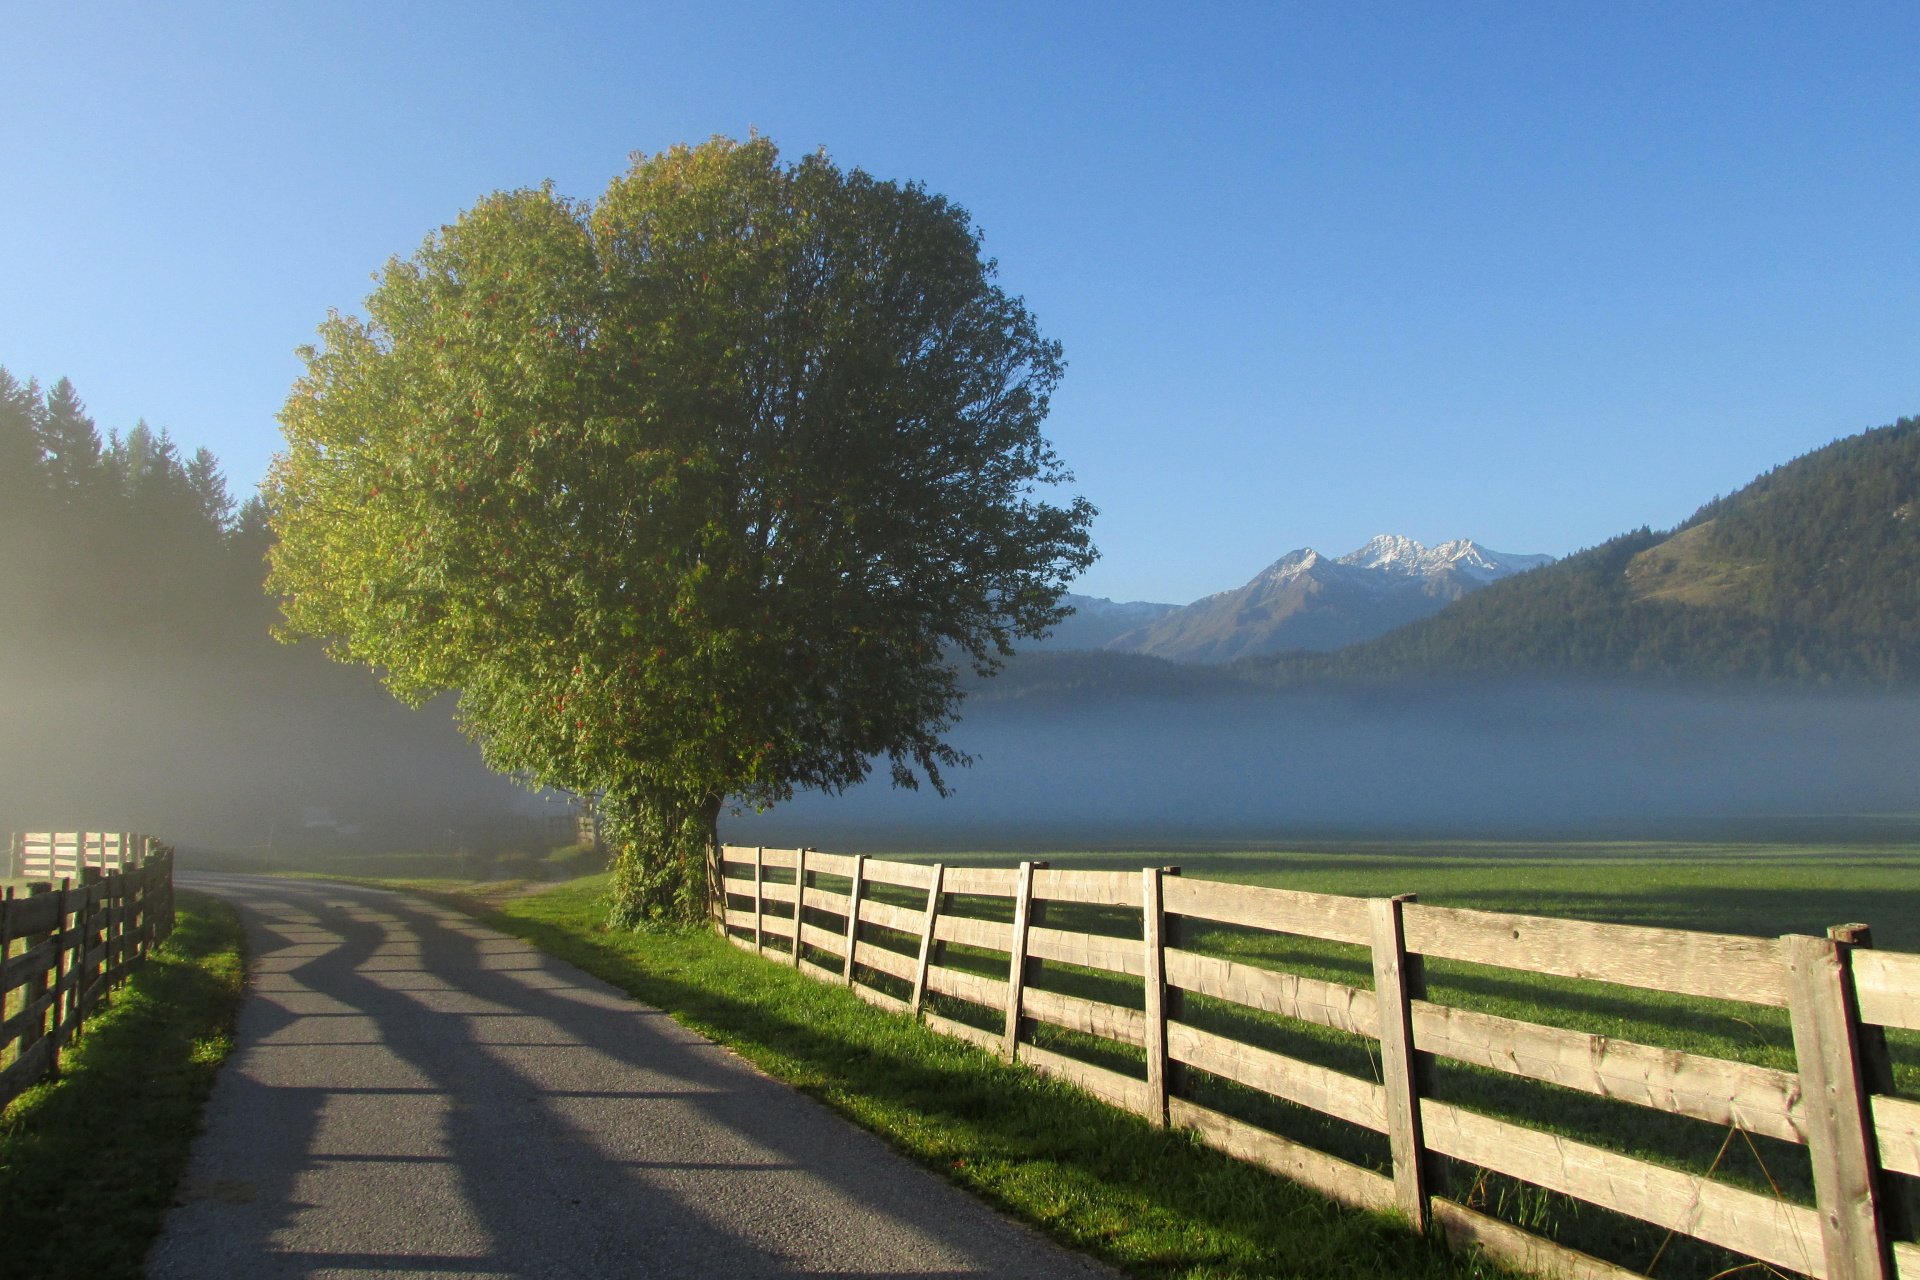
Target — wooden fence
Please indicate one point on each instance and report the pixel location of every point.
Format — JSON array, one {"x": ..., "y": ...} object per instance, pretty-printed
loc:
[
  {"x": 50, "y": 855},
  {"x": 888, "y": 931},
  {"x": 62, "y": 949}
]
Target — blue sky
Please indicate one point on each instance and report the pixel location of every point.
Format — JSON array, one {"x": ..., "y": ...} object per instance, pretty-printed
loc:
[{"x": 1533, "y": 274}]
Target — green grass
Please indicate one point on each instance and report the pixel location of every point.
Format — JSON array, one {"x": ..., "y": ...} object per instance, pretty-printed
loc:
[
  {"x": 1759, "y": 890},
  {"x": 1156, "y": 1204},
  {"x": 89, "y": 1161},
  {"x": 1151, "y": 1202}
]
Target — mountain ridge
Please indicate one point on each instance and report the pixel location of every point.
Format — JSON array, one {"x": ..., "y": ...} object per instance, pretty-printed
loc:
[{"x": 1303, "y": 600}]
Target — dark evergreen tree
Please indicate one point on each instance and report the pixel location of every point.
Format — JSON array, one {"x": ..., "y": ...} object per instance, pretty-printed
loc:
[{"x": 69, "y": 444}]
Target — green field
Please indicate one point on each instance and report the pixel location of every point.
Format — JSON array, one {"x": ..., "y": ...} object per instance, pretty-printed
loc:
[
  {"x": 1760, "y": 890},
  {"x": 1107, "y": 1183}
]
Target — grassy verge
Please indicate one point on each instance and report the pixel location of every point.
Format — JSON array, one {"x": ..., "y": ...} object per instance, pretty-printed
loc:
[
  {"x": 88, "y": 1162},
  {"x": 1151, "y": 1202}
]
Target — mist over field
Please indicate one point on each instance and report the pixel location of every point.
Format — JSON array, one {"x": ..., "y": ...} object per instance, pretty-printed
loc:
[
  {"x": 212, "y": 758},
  {"x": 1480, "y": 760}
]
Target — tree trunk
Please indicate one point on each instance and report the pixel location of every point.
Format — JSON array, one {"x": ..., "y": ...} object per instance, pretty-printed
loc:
[{"x": 666, "y": 863}]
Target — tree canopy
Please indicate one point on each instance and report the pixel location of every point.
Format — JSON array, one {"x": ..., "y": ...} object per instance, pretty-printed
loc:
[{"x": 702, "y": 490}]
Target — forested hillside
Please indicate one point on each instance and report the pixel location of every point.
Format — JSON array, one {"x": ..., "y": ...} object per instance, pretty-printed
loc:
[
  {"x": 1809, "y": 574},
  {"x": 139, "y": 685}
]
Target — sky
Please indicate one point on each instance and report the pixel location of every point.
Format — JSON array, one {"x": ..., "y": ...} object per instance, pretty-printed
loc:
[{"x": 1533, "y": 274}]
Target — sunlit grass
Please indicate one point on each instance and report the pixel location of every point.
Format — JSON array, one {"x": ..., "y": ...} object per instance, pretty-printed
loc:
[{"x": 89, "y": 1161}]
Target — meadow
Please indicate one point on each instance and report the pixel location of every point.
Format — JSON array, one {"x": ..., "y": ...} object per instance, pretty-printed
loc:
[{"x": 1108, "y": 1183}]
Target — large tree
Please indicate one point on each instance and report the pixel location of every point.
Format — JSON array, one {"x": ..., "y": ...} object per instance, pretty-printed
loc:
[{"x": 701, "y": 491}]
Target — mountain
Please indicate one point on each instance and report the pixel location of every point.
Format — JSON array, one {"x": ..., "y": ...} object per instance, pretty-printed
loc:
[
  {"x": 1811, "y": 573},
  {"x": 1095, "y": 622},
  {"x": 1306, "y": 600}
]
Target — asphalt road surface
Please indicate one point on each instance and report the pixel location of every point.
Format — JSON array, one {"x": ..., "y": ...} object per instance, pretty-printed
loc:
[{"x": 413, "y": 1095}]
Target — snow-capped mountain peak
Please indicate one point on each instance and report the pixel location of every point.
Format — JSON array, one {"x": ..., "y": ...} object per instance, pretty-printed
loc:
[
  {"x": 1397, "y": 554},
  {"x": 1389, "y": 552},
  {"x": 1291, "y": 566}
]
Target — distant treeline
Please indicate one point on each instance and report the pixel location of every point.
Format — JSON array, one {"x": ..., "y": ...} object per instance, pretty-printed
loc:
[
  {"x": 140, "y": 685},
  {"x": 117, "y": 546}
]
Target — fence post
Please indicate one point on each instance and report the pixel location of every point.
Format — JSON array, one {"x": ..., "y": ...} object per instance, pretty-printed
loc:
[
  {"x": 1839, "y": 1116},
  {"x": 853, "y": 916},
  {"x": 1395, "y": 977},
  {"x": 66, "y": 1001},
  {"x": 1876, "y": 1073},
  {"x": 759, "y": 898},
  {"x": 926, "y": 936},
  {"x": 799, "y": 899},
  {"x": 1153, "y": 936},
  {"x": 35, "y": 987},
  {"x": 1017, "y": 962}
]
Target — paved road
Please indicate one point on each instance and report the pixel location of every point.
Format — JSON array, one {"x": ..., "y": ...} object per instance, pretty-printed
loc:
[{"x": 414, "y": 1095}]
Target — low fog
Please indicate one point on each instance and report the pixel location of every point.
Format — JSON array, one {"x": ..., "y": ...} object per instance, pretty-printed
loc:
[
  {"x": 213, "y": 759},
  {"x": 219, "y": 761},
  {"x": 1510, "y": 761}
]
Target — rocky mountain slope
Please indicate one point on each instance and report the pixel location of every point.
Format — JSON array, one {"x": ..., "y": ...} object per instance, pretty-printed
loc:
[
  {"x": 1809, "y": 574},
  {"x": 1304, "y": 600}
]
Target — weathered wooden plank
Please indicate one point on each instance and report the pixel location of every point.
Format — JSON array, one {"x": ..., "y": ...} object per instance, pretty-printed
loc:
[
  {"x": 988, "y": 1040},
  {"x": 36, "y": 913},
  {"x": 1091, "y": 1017},
  {"x": 831, "y": 864},
  {"x": 1089, "y": 950},
  {"x": 29, "y": 964},
  {"x": 991, "y": 935},
  {"x": 1153, "y": 1019},
  {"x": 1887, "y": 986},
  {"x": 25, "y": 1016},
  {"x": 891, "y": 963},
  {"x": 800, "y": 874},
  {"x": 1393, "y": 986},
  {"x": 888, "y": 916},
  {"x": 1896, "y": 1124},
  {"x": 759, "y": 900},
  {"x": 1017, "y": 958},
  {"x": 829, "y": 940},
  {"x": 738, "y": 919},
  {"x": 853, "y": 915},
  {"x": 1520, "y": 1250},
  {"x": 1721, "y": 966},
  {"x": 1906, "y": 1260},
  {"x": 820, "y": 971},
  {"x": 34, "y": 1062},
  {"x": 1329, "y": 1004},
  {"x": 1835, "y": 1110},
  {"x": 778, "y": 891},
  {"x": 906, "y": 875},
  {"x": 1786, "y": 1235},
  {"x": 777, "y": 926},
  {"x": 986, "y": 882},
  {"x": 781, "y": 858},
  {"x": 962, "y": 985},
  {"x": 1754, "y": 1098},
  {"x": 1329, "y": 1175},
  {"x": 927, "y": 935},
  {"x": 1109, "y": 1086},
  {"x": 1335, "y": 1093},
  {"x": 825, "y": 899},
  {"x": 1897, "y": 1217},
  {"x": 1100, "y": 888},
  {"x": 874, "y": 996},
  {"x": 1313, "y": 915}
]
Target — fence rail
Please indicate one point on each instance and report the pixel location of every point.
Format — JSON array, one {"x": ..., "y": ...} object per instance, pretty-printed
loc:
[
  {"x": 50, "y": 855},
  {"x": 62, "y": 949},
  {"x": 981, "y": 940}
]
